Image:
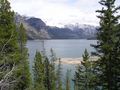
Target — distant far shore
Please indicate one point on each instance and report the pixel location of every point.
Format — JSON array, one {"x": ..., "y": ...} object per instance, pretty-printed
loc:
[
  {"x": 74, "y": 61},
  {"x": 60, "y": 39}
]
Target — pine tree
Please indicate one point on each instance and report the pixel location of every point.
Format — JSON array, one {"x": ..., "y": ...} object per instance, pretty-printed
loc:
[
  {"x": 107, "y": 47},
  {"x": 24, "y": 64},
  {"x": 45, "y": 76},
  {"x": 9, "y": 48},
  {"x": 68, "y": 80},
  {"x": 58, "y": 75},
  {"x": 38, "y": 71},
  {"x": 22, "y": 37},
  {"x": 8, "y": 34},
  {"x": 12, "y": 75},
  {"x": 84, "y": 76},
  {"x": 53, "y": 70},
  {"x": 47, "y": 82}
]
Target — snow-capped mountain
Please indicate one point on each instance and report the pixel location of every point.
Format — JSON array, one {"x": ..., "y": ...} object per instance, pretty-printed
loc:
[
  {"x": 37, "y": 29},
  {"x": 83, "y": 29}
]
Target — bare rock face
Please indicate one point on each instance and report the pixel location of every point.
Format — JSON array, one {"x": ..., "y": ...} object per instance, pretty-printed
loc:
[
  {"x": 34, "y": 27},
  {"x": 37, "y": 23}
]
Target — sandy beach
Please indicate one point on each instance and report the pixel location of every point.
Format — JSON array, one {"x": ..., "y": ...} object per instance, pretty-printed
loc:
[{"x": 73, "y": 60}]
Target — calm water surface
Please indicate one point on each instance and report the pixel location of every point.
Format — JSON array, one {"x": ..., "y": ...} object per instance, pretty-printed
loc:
[{"x": 62, "y": 48}]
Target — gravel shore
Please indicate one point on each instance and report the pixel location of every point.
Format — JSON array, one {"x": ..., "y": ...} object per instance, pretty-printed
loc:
[{"x": 74, "y": 60}]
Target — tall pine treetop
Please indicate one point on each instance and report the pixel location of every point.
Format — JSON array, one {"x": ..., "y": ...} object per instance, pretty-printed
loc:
[
  {"x": 8, "y": 33},
  {"x": 107, "y": 47}
]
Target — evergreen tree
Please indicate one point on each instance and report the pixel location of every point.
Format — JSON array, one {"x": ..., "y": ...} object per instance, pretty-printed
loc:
[
  {"x": 84, "y": 76},
  {"x": 8, "y": 35},
  {"x": 47, "y": 82},
  {"x": 24, "y": 65},
  {"x": 45, "y": 76},
  {"x": 22, "y": 38},
  {"x": 68, "y": 80},
  {"x": 107, "y": 47},
  {"x": 38, "y": 71},
  {"x": 9, "y": 48},
  {"x": 58, "y": 75},
  {"x": 12, "y": 75},
  {"x": 53, "y": 70}
]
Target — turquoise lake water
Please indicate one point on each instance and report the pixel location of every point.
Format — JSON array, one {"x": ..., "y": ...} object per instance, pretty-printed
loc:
[{"x": 63, "y": 49}]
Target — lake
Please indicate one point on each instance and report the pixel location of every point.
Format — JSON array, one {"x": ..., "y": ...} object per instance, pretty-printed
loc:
[{"x": 62, "y": 48}]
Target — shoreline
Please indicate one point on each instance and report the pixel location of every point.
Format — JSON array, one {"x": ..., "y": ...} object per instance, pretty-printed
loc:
[
  {"x": 73, "y": 61},
  {"x": 58, "y": 39}
]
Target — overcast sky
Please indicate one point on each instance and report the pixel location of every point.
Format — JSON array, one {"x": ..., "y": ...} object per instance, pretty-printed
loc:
[{"x": 59, "y": 12}]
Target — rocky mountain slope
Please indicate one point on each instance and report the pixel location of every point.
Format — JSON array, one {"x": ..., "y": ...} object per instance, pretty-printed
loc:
[{"x": 37, "y": 29}]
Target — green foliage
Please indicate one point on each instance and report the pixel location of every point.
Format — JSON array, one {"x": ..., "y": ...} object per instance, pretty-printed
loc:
[
  {"x": 107, "y": 47},
  {"x": 68, "y": 80},
  {"x": 59, "y": 76},
  {"x": 38, "y": 71},
  {"x": 8, "y": 35},
  {"x": 9, "y": 49},
  {"x": 46, "y": 76},
  {"x": 53, "y": 70},
  {"x": 22, "y": 36},
  {"x": 23, "y": 64},
  {"x": 84, "y": 76},
  {"x": 14, "y": 69}
]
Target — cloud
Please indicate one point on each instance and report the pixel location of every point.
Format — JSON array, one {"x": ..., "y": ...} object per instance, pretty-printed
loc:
[{"x": 59, "y": 12}]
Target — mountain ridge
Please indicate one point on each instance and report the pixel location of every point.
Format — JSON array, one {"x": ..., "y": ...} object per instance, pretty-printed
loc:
[{"x": 36, "y": 28}]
